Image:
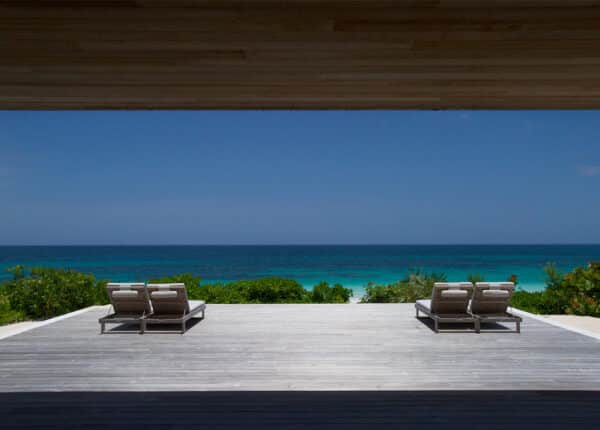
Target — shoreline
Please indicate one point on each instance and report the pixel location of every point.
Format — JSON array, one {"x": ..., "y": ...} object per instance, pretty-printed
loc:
[
  {"x": 360, "y": 287},
  {"x": 353, "y": 266}
]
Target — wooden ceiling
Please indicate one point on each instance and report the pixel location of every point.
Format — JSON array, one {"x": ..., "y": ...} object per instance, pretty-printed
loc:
[{"x": 299, "y": 54}]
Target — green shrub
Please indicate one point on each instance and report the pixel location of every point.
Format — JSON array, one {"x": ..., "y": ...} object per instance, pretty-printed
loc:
[
  {"x": 375, "y": 293},
  {"x": 577, "y": 293},
  {"x": 220, "y": 293},
  {"x": 263, "y": 290},
  {"x": 323, "y": 293},
  {"x": 273, "y": 290},
  {"x": 416, "y": 285},
  {"x": 538, "y": 302},
  {"x": 582, "y": 290},
  {"x": 7, "y": 313},
  {"x": 44, "y": 293}
]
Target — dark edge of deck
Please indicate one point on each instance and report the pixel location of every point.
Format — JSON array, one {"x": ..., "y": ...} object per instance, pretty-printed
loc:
[{"x": 347, "y": 410}]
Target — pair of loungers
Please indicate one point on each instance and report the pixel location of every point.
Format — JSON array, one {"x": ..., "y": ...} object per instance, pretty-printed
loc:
[
  {"x": 151, "y": 304},
  {"x": 460, "y": 302}
]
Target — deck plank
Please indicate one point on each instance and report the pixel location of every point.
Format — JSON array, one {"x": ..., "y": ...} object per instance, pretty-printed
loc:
[{"x": 298, "y": 347}]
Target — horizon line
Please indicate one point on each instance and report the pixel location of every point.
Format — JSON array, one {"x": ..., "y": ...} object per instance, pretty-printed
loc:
[{"x": 306, "y": 244}]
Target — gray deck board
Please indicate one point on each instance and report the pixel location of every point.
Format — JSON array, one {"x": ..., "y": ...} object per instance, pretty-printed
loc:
[{"x": 297, "y": 347}]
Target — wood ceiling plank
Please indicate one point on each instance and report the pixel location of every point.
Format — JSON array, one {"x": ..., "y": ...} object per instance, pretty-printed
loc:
[{"x": 304, "y": 54}]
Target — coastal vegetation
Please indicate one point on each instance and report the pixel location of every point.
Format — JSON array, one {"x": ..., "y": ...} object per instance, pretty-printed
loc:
[
  {"x": 414, "y": 286},
  {"x": 40, "y": 293},
  {"x": 263, "y": 290},
  {"x": 43, "y": 293},
  {"x": 576, "y": 293}
]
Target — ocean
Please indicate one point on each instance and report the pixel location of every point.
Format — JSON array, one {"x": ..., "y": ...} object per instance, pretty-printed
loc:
[{"x": 351, "y": 266}]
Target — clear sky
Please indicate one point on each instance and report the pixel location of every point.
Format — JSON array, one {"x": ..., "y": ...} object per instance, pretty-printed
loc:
[{"x": 378, "y": 177}]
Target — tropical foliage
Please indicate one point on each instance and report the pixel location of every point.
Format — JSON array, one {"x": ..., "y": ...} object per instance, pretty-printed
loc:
[
  {"x": 416, "y": 285},
  {"x": 324, "y": 293},
  {"x": 263, "y": 290},
  {"x": 7, "y": 313},
  {"x": 43, "y": 293},
  {"x": 577, "y": 293}
]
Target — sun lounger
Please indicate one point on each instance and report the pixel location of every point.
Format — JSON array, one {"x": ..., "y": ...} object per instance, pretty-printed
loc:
[
  {"x": 490, "y": 303},
  {"x": 130, "y": 303},
  {"x": 170, "y": 305},
  {"x": 449, "y": 304}
]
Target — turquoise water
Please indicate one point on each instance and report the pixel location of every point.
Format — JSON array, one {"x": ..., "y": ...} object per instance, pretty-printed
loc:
[{"x": 352, "y": 266}]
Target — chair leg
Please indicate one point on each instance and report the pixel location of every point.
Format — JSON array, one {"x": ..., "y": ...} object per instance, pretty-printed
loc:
[
  {"x": 436, "y": 325},
  {"x": 102, "y": 327},
  {"x": 518, "y": 326},
  {"x": 183, "y": 327},
  {"x": 477, "y": 326},
  {"x": 142, "y": 327},
  {"x": 417, "y": 309}
]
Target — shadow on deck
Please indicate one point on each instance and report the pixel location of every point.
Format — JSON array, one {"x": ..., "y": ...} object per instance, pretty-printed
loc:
[{"x": 305, "y": 409}]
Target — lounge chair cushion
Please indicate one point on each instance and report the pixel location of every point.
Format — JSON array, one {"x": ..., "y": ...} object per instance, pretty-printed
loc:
[
  {"x": 122, "y": 294},
  {"x": 163, "y": 294},
  {"x": 491, "y": 297},
  {"x": 167, "y": 286},
  {"x": 454, "y": 294},
  {"x": 128, "y": 298},
  {"x": 450, "y": 297},
  {"x": 496, "y": 285},
  {"x": 124, "y": 285},
  {"x": 495, "y": 294},
  {"x": 455, "y": 284},
  {"x": 171, "y": 299}
]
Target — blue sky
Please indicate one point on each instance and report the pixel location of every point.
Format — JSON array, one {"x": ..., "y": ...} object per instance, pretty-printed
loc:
[{"x": 281, "y": 177}]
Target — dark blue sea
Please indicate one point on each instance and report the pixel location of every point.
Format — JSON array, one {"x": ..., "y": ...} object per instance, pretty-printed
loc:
[{"x": 352, "y": 266}]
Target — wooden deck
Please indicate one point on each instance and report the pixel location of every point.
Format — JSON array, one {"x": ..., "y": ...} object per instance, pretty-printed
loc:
[{"x": 298, "y": 347}]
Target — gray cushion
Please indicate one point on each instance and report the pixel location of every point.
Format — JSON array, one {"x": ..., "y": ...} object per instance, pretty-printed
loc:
[
  {"x": 164, "y": 294},
  {"x": 453, "y": 285},
  {"x": 167, "y": 286},
  {"x": 495, "y": 294},
  {"x": 495, "y": 285},
  {"x": 124, "y": 293},
  {"x": 124, "y": 285},
  {"x": 454, "y": 294}
]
